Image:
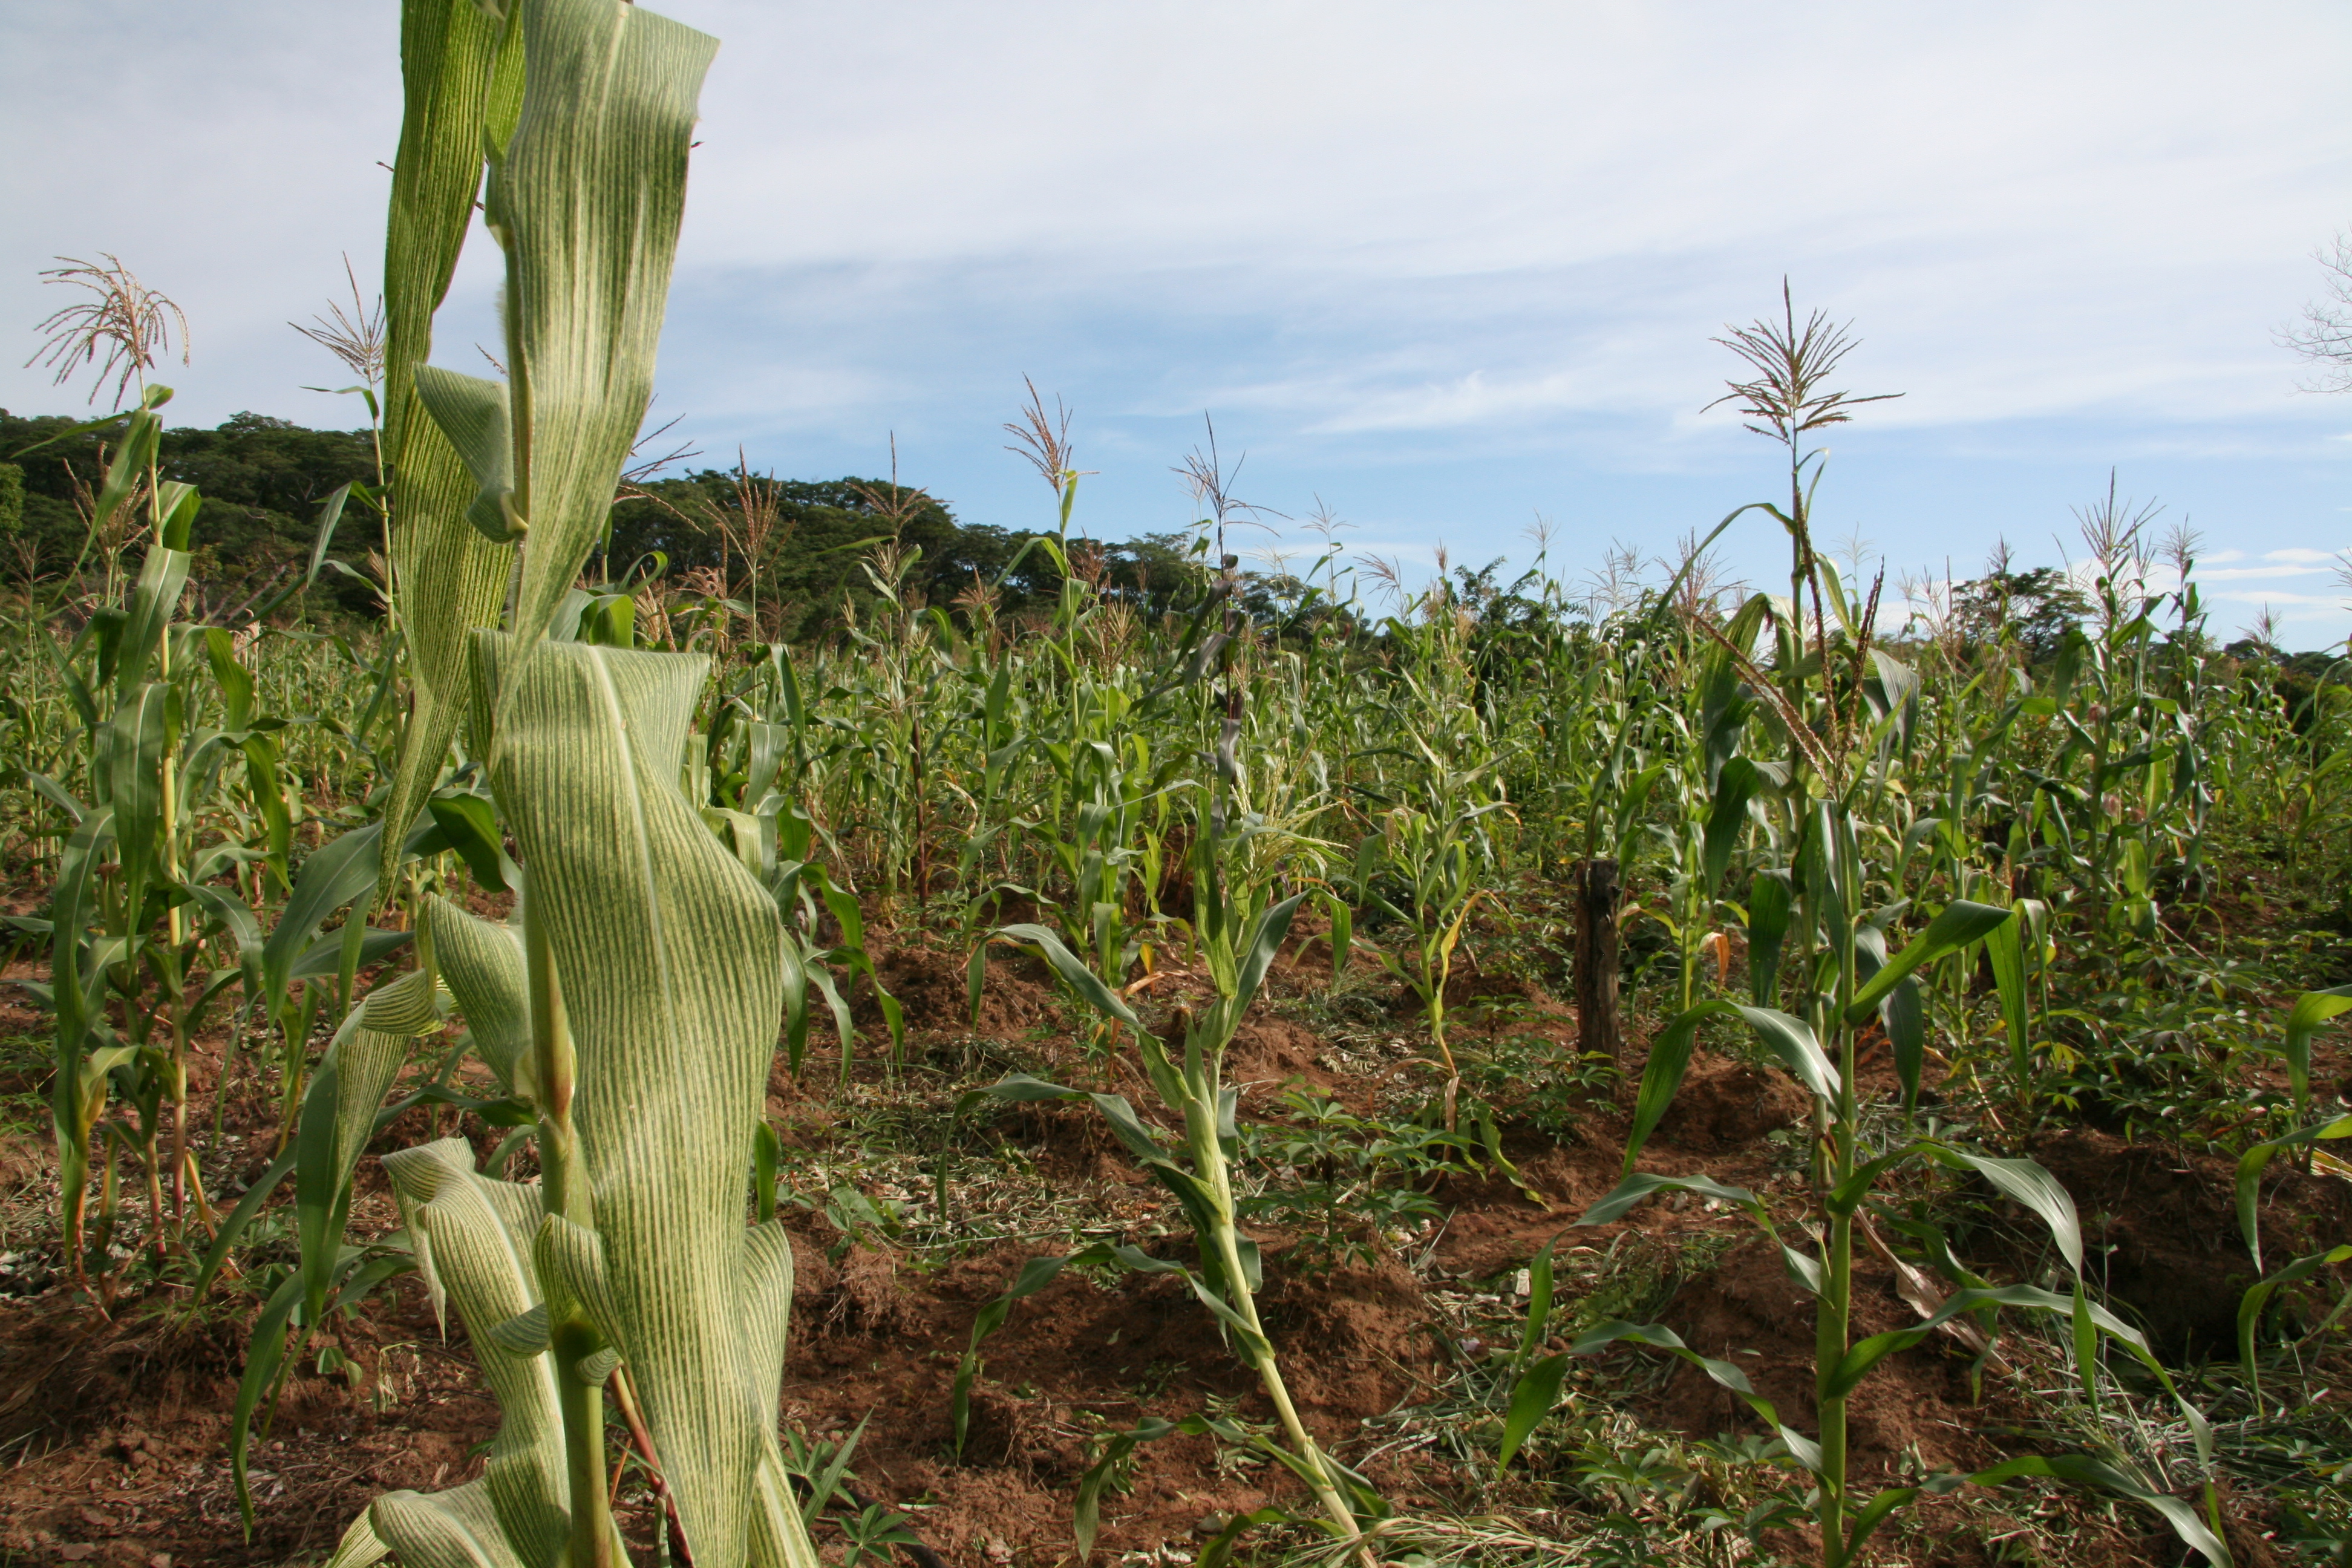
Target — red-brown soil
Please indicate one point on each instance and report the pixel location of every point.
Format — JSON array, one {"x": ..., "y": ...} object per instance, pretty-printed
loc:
[{"x": 113, "y": 1429}]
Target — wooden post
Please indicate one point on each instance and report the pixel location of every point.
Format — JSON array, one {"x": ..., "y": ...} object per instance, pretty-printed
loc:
[{"x": 1597, "y": 959}]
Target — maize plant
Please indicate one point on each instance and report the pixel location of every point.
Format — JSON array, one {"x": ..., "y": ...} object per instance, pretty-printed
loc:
[
  {"x": 1841, "y": 736},
  {"x": 184, "y": 789},
  {"x": 1238, "y": 927},
  {"x": 633, "y": 998}
]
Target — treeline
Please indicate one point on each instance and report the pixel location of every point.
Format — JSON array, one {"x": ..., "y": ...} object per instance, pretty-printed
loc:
[
  {"x": 790, "y": 553},
  {"x": 793, "y": 553},
  {"x": 263, "y": 482}
]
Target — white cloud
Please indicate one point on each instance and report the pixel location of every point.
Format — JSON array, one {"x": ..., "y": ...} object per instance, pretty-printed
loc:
[
  {"x": 2231, "y": 574},
  {"x": 1442, "y": 263},
  {"x": 2240, "y": 596},
  {"x": 2031, "y": 209}
]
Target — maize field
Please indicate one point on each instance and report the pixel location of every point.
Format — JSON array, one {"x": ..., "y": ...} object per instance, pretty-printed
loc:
[{"x": 1255, "y": 1069}]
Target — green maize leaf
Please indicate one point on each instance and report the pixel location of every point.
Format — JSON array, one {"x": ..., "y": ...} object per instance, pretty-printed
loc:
[
  {"x": 472, "y": 414},
  {"x": 2029, "y": 1185},
  {"x": 482, "y": 962},
  {"x": 587, "y": 204},
  {"x": 77, "y": 999},
  {"x": 461, "y": 69},
  {"x": 235, "y": 680},
  {"x": 472, "y": 1238},
  {"x": 1648, "y": 1184},
  {"x": 1129, "y": 1129},
  {"x": 794, "y": 964},
  {"x": 470, "y": 822},
  {"x": 1087, "y": 1516},
  {"x": 142, "y": 437},
  {"x": 234, "y": 917},
  {"x": 1539, "y": 1290},
  {"x": 2083, "y": 1470},
  {"x": 137, "y": 738},
  {"x": 1533, "y": 1395},
  {"x": 1259, "y": 946},
  {"x": 238, "y": 1218},
  {"x": 1873, "y": 1513},
  {"x": 844, "y": 1029},
  {"x": 151, "y": 398},
  {"x": 163, "y": 577},
  {"x": 1034, "y": 1275},
  {"x": 1343, "y": 935},
  {"x": 1867, "y": 1353},
  {"x": 69, "y": 916},
  {"x": 667, "y": 954},
  {"x": 2251, "y": 1165},
  {"x": 2311, "y": 1009},
  {"x": 1960, "y": 923},
  {"x": 1219, "y": 1552},
  {"x": 1847, "y": 1195},
  {"x": 1805, "y": 1272},
  {"x": 48, "y": 789},
  {"x": 2258, "y": 1296},
  {"x": 1788, "y": 1039},
  {"x": 1737, "y": 785},
  {"x": 332, "y": 876},
  {"x": 338, "y": 1108},
  {"x": 2005, "y": 945},
  {"x": 1904, "y": 1016},
  {"x": 1670, "y": 1054},
  {"x": 767, "y": 748},
  {"x": 265, "y": 1355},
  {"x": 326, "y": 955},
  {"x": 1095, "y": 991},
  {"x": 1808, "y": 1452},
  {"x": 261, "y": 777}
]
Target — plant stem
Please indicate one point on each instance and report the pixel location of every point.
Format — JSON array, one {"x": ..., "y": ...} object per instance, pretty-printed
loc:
[
  {"x": 1209, "y": 1158},
  {"x": 572, "y": 1342}
]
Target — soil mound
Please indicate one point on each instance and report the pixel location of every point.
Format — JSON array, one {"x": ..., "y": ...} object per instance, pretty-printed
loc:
[
  {"x": 2161, "y": 1223},
  {"x": 1748, "y": 1311},
  {"x": 929, "y": 985},
  {"x": 1726, "y": 1103}
]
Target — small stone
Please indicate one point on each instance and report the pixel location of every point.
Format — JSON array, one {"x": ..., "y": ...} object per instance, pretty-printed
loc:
[
  {"x": 1209, "y": 1524},
  {"x": 997, "y": 1551},
  {"x": 160, "y": 1560}
]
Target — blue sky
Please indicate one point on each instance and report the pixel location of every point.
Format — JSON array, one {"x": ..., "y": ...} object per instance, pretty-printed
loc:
[{"x": 1446, "y": 268}]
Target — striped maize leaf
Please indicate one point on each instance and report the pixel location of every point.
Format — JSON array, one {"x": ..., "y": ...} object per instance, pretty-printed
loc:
[
  {"x": 481, "y": 962},
  {"x": 586, "y": 202},
  {"x": 463, "y": 74},
  {"x": 473, "y": 1241},
  {"x": 668, "y": 956}
]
